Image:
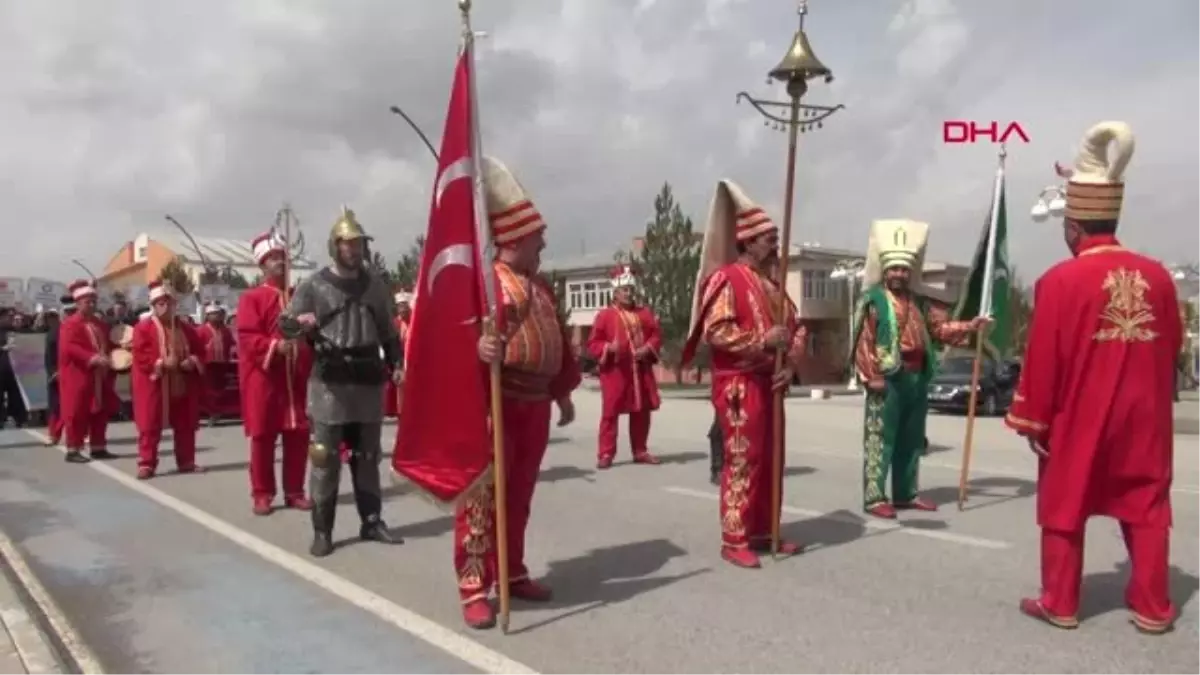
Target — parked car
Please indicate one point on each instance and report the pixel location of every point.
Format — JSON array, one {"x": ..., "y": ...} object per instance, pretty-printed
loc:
[{"x": 950, "y": 389}]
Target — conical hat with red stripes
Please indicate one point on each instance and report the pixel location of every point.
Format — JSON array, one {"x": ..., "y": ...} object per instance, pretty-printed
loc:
[{"x": 511, "y": 214}]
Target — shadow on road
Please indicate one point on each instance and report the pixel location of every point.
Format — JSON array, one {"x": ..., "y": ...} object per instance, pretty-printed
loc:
[
  {"x": 993, "y": 490},
  {"x": 607, "y": 576},
  {"x": 789, "y": 471},
  {"x": 1104, "y": 592},
  {"x": 563, "y": 472},
  {"x": 826, "y": 530}
]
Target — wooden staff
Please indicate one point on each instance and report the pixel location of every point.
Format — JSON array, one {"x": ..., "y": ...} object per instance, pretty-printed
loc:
[
  {"x": 285, "y": 298},
  {"x": 785, "y": 245},
  {"x": 500, "y": 480},
  {"x": 971, "y": 411}
]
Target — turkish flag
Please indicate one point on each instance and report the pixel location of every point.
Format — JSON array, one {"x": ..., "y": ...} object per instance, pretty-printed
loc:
[{"x": 443, "y": 443}]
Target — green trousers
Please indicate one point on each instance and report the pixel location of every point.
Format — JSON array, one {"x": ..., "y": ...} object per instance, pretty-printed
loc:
[{"x": 894, "y": 438}]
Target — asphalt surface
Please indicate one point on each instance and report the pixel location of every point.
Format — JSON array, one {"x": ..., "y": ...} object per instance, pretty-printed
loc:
[{"x": 632, "y": 554}]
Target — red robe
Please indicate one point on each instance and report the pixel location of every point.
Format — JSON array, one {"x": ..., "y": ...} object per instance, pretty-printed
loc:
[
  {"x": 539, "y": 367},
  {"x": 738, "y": 308},
  {"x": 166, "y": 398},
  {"x": 218, "y": 343},
  {"x": 1097, "y": 387},
  {"x": 626, "y": 384},
  {"x": 86, "y": 393},
  {"x": 274, "y": 389},
  {"x": 393, "y": 397}
]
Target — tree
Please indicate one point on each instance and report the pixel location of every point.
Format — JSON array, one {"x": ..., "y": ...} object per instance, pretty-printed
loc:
[
  {"x": 1020, "y": 303},
  {"x": 210, "y": 276},
  {"x": 174, "y": 275},
  {"x": 378, "y": 265},
  {"x": 233, "y": 278},
  {"x": 405, "y": 273},
  {"x": 667, "y": 263},
  {"x": 558, "y": 284}
]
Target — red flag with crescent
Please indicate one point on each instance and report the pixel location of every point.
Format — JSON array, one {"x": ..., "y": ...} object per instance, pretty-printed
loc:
[{"x": 443, "y": 444}]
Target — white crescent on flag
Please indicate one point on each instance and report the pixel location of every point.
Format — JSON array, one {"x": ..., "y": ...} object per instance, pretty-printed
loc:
[{"x": 454, "y": 254}]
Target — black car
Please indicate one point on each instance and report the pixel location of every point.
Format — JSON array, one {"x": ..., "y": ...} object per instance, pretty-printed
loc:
[{"x": 950, "y": 389}]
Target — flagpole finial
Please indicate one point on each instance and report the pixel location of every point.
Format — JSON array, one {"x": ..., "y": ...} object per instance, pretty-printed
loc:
[
  {"x": 464, "y": 6},
  {"x": 1003, "y": 154}
]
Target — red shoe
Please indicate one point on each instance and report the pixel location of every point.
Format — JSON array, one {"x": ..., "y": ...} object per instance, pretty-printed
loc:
[
  {"x": 1148, "y": 626},
  {"x": 646, "y": 458},
  {"x": 530, "y": 591},
  {"x": 1033, "y": 607},
  {"x": 785, "y": 547},
  {"x": 478, "y": 614},
  {"x": 298, "y": 502},
  {"x": 262, "y": 506},
  {"x": 741, "y": 557},
  {"x": 882, "y": 510},
  {"x": 918, "y": 504},
  {"x": 604, "y": 463},
  {"x": 145, "y": 473}
]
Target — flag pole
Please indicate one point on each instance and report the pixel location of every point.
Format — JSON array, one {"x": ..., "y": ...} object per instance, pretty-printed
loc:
[
  {"x": 985, "y": 309},
  {"x": 499, "y": 473}
]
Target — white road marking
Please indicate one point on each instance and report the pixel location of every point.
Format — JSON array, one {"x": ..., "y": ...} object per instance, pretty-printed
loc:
[
  {"x": 30, "y": 644},
  {"x": 978, "y": 542},
  {"x": 987, "y": 471},
  {"x": 449, "y": 641}
]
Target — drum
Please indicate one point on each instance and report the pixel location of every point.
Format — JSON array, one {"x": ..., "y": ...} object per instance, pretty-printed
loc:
[
  {"x": 122, "y": 360},
  {"x": 121, "y": 336}
]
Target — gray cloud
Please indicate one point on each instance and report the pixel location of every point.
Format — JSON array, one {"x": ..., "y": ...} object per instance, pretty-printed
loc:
[{"x": 217, "y": 112}]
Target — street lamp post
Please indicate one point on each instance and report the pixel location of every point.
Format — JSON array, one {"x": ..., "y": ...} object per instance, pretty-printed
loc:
[
  {"x": 852, "y": 271},
  {"x": 85, "y": 269},
  {"x": 798, "y": 66},
  {"x": 396, "y": 110}
]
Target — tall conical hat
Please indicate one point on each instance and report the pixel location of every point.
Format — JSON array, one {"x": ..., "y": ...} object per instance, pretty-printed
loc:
[
  {"x": 896, "y": 242},
  {"x": 1096, "y": 186},
  {"x": 511, "y": 213}
]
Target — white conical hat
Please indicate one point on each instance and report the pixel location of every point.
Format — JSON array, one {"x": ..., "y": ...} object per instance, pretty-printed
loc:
[
  {"x": 511, "y": 213},
  {"x": 1096, "y": 185},
  {"x": 896, "y": 242}
]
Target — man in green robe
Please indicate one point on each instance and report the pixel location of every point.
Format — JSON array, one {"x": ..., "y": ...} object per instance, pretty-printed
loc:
[{"x": 898, "y": 329}]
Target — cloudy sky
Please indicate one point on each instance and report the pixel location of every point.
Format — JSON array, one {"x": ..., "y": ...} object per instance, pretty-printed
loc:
[{"x": 115, "y": 112}]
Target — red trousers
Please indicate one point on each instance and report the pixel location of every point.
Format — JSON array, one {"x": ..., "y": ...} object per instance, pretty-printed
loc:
[
  {"x": 54, "y": 428},
  {"x": 526, "y": 434},
  {"x": 262, "y": 463},
  {"x": 92, "y": 426},
  {"x": 1148, "y": 591},
  {"x": 183, "y": 418},
  {"x": 639, "y": 433},
  {"x": 745, "y": 410}
]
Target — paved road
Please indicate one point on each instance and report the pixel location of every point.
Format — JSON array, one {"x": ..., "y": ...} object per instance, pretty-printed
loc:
[{"x": 632, "y": 554}]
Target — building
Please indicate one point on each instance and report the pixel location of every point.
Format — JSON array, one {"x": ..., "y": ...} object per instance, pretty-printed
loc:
[
  {"x": 140, "y": 261},
  {"x": 823, "y": 300}
]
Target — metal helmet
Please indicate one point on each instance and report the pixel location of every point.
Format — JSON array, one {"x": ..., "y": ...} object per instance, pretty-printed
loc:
[{"x": 346, "y": 228}]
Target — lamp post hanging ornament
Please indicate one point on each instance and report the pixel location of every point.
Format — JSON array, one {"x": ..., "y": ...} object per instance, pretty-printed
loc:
[{"x": 798, "y": 66}]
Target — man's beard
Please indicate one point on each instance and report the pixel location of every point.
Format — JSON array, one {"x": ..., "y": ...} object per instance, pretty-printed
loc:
[
  {"x": 348, "y": 263},
  {"x": 897, "y": 285}
]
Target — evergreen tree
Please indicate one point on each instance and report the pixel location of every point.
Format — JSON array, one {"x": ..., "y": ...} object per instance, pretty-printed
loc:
[
  {"x": 176, "y": 277},
  {"x": 667, "y": 265}
]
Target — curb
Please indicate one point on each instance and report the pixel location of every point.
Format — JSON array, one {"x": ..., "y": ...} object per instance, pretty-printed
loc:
[{"x": 45, "y": 641}]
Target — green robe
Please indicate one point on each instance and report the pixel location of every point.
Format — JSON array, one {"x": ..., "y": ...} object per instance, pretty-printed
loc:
[{"x": 894, "y": 424}]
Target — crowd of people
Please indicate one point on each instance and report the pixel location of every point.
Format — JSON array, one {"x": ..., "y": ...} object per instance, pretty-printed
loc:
[{"x": 320, "y": 365}]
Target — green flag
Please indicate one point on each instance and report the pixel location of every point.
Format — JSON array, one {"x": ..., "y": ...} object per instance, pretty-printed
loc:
[{"x": 986, "y": 292}]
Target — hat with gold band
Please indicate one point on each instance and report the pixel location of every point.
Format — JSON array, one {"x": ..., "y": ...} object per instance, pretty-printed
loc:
[{"x": 1096, "y": 185}]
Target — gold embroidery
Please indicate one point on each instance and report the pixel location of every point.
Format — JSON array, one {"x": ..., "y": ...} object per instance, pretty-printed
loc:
[
  {"x": 735, "y": 496},
  {"x": 873, "y": 450},
  {"x": 1127, "y": 310},
  {"x": 477, "y": 541}
]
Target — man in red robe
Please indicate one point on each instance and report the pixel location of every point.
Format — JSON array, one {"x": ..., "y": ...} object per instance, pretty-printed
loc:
[
  {"x": 86, "y": 383},
  {"x": 273, "y": 379},
  {"x": 218, "y": 343},
  {"x": 393, "y": 395},
  {"x": 1095, "y": 396},
  {"x": 168, "y": 381},
  {"x": 625, "y": 341},
  {"x": 735, "y": 309},
  {"x": 538, "y": 369}
]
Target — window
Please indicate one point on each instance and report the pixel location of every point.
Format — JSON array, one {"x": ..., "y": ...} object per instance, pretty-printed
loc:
[
  {"x": 575, "y": 296},
  {"x": 588, "y": 295},
  {"x": 818, "y": 285}
]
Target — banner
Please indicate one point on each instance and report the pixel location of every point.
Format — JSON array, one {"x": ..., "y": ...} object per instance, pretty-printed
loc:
[
  {"x": 45, "y": 292},
  {"x": 28, "y": 357},
  {"x": 12, "y": 292}
]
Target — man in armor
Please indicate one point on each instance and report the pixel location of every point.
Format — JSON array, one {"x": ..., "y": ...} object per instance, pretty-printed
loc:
[{"x": 347, "y": 314}]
